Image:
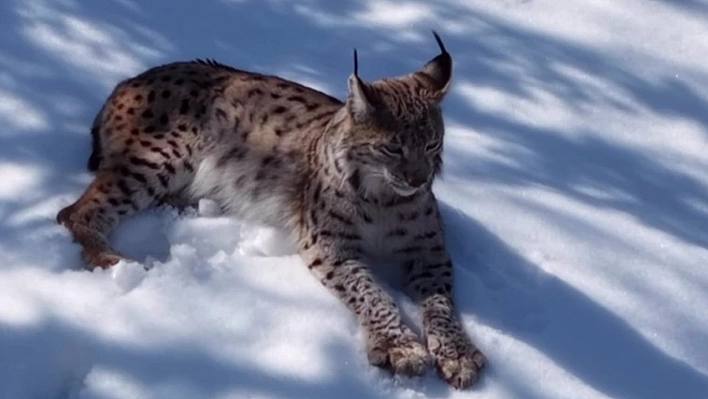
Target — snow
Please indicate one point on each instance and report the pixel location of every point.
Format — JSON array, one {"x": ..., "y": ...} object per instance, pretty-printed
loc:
[{"x": 575, "y": 195}]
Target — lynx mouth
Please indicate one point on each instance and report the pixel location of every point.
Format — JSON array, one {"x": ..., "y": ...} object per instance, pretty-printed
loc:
[
  {"x": 404, "y": 191},
  {"x": 399, "y": 187}
]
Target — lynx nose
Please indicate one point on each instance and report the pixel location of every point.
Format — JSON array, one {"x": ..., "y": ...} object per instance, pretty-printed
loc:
[{"x": 416, "y": 179}]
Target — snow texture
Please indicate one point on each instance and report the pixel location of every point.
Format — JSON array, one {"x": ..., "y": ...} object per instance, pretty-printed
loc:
[{"x": 575, "y": 195}]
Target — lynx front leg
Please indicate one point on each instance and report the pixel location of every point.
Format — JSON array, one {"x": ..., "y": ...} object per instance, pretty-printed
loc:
[
  {"x": 428, "y": 279},
  {"x": 458, "y": 361},
  {"x": 390, "y": 344}
]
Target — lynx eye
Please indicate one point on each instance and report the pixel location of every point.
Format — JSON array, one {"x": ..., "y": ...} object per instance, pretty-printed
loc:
[
  {"x": 433, "y": 146},
  {"x": 392, "y": 151}
]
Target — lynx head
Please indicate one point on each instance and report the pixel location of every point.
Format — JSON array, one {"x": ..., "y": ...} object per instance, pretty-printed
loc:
[{"x": 396, "y": 128}]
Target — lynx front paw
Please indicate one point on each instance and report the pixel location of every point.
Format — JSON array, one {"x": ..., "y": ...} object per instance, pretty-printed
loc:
[
  {"x": 457, "y": 360},
  {"x": 402, "y": 355},
  {"x": 100, "y": 259}
]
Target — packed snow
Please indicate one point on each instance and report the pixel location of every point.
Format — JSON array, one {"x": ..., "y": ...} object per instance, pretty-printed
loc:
[{"x": 575, "y": 196}]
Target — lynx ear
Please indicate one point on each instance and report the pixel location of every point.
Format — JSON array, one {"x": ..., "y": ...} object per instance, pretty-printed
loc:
[
  {"x": 439, "y": 71},
  {"x": 359, "y": 100}
]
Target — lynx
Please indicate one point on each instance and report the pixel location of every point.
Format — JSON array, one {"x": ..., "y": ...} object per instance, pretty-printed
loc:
[{"x": 350, "y": 181}]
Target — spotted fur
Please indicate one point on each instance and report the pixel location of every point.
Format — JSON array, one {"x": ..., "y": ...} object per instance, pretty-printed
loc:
[{"x": 349, "y": 180}]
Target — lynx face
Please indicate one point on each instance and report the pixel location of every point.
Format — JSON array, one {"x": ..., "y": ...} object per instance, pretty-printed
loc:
[
  {"x": 398, "y": 139},
  {"x": 411, "y": 158}
]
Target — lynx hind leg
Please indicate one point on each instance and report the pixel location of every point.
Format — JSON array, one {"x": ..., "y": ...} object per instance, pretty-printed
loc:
[
  {"x": 180, "y": 201},
  {"x": 113, "y": 195}
]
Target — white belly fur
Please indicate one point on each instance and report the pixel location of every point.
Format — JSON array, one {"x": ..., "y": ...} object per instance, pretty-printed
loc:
[{"x": 218, "y": 184}]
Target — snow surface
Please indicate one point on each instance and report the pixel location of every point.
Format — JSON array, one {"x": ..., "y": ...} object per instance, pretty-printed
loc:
[{"x": 575, "y": 194}]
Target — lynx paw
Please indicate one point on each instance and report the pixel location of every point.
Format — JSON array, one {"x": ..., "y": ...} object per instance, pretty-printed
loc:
[
  {"x": 402, "y": 356},
  {"x": 458, "y": 361},
  {"x": 101, "y": 259}
]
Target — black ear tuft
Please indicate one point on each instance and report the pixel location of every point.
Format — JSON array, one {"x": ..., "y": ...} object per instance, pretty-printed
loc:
[
  {"x": 356, "y": 64},
  {"x": 439, "y": 70},
  {"x": 440, "y": 43}
]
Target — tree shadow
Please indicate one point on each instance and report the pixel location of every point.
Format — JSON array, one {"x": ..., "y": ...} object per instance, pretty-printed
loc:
[
  {"x": 693, "y": 6},
  {"x": 567, "y": 160},
  {"x": 61, "y": 355},
  {"x": 594, "y": 171},
  {"x": 584, "y": 338}
]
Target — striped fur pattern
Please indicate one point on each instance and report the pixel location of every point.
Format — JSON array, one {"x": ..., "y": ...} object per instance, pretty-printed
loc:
[{"x": 349, "y": 180}]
